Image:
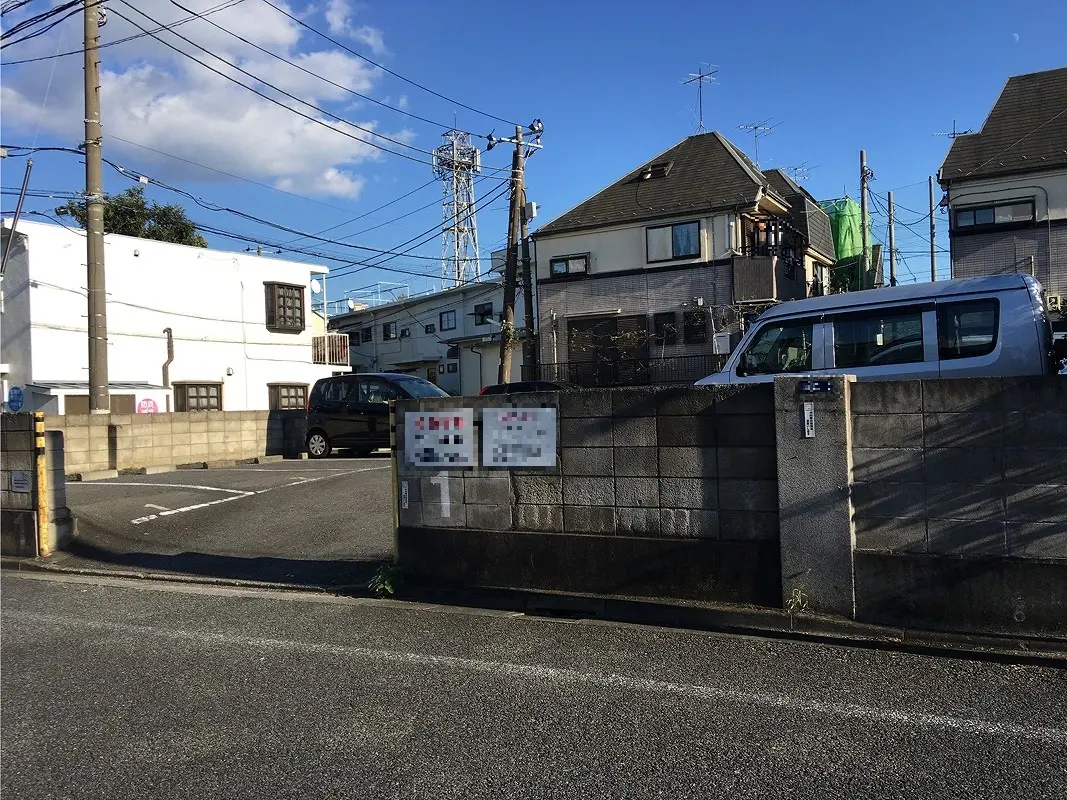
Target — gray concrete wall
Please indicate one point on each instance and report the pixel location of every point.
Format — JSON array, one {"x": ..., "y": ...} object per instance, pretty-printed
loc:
[
  {"x": 18, "y": 522},
  {"x": 128, "y": 441},
  {"x": 973, "y": 467}
]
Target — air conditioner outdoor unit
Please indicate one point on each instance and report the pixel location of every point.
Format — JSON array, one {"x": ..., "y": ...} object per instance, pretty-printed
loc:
[
  {"x": 720, "y": 344},
  {"x": 1054, "y": 302}
]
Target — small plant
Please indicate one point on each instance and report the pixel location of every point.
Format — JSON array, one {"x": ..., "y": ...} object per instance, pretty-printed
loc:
[{"x": 385, "y": 581}]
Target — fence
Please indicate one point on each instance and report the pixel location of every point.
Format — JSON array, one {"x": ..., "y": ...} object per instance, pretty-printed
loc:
[{"x": 630, "y": 371}]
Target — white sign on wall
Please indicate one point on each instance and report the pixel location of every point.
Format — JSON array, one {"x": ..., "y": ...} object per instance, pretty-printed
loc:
[
  {"x": 441, "y": 439},
  {"x": 20, "y": 481},
  {"x": 519, "y": 437}
]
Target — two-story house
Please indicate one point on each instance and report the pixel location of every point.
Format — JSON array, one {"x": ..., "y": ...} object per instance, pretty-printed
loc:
[
  {"x": 188, "y": 328},
  {"x": 652, "y": 279},
  {"x": 1006, "y": 186},
  {"x": 450, "y": 337}
]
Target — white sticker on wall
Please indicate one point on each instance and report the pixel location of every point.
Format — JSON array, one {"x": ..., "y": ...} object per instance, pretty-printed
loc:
[
  {"x": 404, "y": 495},
  {"x": 441, "y": 439},
  {"x": 809, "y": 420},
  {"x": 20, "y": 481},
  {"x": 519, "y": 437}
]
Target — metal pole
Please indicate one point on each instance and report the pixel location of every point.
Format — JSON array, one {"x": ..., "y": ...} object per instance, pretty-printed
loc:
[
  {"x": 507, "y": 324},
  {"x": 892, "y": 245},
  {"x": 18, "y": 212},
  {"x": 529, "y": 346},
  {"x": 933, "y": 244},
  {"x": 865, "y": 258},
  {"x": 99, "y": 400}
]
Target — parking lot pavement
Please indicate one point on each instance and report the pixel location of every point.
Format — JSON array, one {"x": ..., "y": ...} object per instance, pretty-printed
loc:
[{"x": 320, "y": 523}]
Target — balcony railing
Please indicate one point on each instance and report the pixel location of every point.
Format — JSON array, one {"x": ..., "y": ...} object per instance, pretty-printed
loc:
[
  {"x": 331, "y": 348},
  {"x": 630, "y": 371}
]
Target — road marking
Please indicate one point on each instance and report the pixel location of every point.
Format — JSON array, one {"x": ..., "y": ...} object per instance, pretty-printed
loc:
[
  {"x": 157, "y": 508},
  {"x": 165, "y": 485},
  {"x": 194, "y": 507},
  {"x": 302, "y": 481},
  {"x": 568, "y": 676}
]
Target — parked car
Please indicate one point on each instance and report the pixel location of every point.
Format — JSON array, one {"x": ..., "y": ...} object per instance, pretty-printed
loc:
[
  {"x": 972, "y": 327},
  {"x": 352, "y": 411},
  {"x": 528, "y": 386}
]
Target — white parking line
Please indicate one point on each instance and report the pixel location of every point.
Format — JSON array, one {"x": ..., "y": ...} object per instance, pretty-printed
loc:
[
  {"x": 165, "y": 485},
  {"x": 157, "y": 508}
]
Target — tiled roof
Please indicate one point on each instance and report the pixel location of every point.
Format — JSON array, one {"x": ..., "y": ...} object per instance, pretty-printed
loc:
[
  {"x": 804, "y": 212},
  {"x": 706, "y": 172},
  {"x": 1025, "y": 132}
]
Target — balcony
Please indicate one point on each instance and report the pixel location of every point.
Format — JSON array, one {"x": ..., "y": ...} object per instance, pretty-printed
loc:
[
  {"x": 766, "y": 278},
  {"x": 331, "y": 348}
]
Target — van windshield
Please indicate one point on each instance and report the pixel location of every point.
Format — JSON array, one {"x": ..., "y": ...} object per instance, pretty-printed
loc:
[{"x": 778, "y": 348}]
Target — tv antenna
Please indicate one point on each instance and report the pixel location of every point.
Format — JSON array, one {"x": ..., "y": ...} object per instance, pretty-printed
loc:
[
  {"x": 699, "y": 77},
  {"x": 954, "y": 133},
  {"x": 800, "y": 172},
  {"x": 759, "y": 130}
]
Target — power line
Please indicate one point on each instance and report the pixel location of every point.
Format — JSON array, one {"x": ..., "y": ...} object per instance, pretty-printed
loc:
[
  {"x": 997, "y": 155},
  {"x": 72, "y": 7},
  {"x": 386, "y": 69}
]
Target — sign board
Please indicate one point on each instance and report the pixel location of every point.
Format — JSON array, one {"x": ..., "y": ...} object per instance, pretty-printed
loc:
[
  {"x": 15, "y": 399},
  {"x": 815, "y": 387},
  {"x": 519, "y": 437},
  {"x": 441, "y": 439},
  {"x": 147, "y": 406},
  {"x": 20, "y": 482},
  {"x": 809, "y": 420},
  {"x": 404, "y": 501}
]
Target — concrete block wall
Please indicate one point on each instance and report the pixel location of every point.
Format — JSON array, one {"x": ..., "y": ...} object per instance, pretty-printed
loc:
[
  {"x": 128, "y": 441},
  {"x": 18, "y": 519},
  {"x": 970, "y": 467}
]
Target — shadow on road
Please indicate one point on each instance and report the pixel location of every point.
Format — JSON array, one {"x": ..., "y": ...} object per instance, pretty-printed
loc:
[{"x": 325, "y": 574}]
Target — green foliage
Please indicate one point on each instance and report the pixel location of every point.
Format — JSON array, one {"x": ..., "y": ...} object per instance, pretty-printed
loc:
[
  {"x": 131, "y": 214},
  {"x": 385, "y": 581}
]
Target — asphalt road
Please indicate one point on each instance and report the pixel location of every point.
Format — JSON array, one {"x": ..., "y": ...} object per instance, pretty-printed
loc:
[
  {"x": 321, "y": 523},
  {"x": 145, "y": 689}
]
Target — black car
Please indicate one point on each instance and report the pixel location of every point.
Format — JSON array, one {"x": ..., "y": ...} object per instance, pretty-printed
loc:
[
  {"x": 352, "y": 411},
  {"x": 528, "y": 386}
]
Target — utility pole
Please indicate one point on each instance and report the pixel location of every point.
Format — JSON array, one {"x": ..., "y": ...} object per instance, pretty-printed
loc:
[
  {"x": 933, "y": 245},
  {"x": 516, "y": 228},
  {"x": 892, "y": 245},
  {"x": 865, "y": 258},
  {"x": 99, "y": 392}
]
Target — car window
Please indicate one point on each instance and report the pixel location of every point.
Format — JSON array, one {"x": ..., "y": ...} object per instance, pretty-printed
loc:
[
  {"x": 419, "y": 387},
  {"x": 375, "y": 390},
  {"x": 877, "y": 337},
  {"x": 785, "y": 347},
  {"x": 336, "y": 391},
  {"x": 967, "y": 329}
]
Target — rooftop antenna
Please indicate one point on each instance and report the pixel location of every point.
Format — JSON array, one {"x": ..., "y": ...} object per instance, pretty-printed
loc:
[
  {"x": 800, "y": 172},
  {"x": 705, "y": 72},
  {"x": 759, "y": 130},
  {"x": 954, "y": 133}
]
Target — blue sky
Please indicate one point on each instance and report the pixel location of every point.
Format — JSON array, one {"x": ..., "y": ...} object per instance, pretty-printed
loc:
[{"x": 606, "y": 79}]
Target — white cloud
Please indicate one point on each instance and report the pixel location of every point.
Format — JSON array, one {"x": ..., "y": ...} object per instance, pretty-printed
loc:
[
  {"x": 158, "y": 98},
  {"x": 402, "y": 103},
  {"x": 339, "y": 17},
  {"x": 337, "y": 14},
  {"x": 372, "y": 37}
]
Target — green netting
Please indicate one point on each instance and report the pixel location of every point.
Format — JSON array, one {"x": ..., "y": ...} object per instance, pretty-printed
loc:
[{"x": 845, "y": 224}]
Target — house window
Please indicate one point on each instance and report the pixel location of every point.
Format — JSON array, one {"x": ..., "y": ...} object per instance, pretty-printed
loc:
[
  {"x": 664, "y": 328},
  {"x": 483, "y": 312},
  {"x": 670, "y": 242},
  {"x": 448, "y": 320},
  {"x": 874, "y": 338},
  {"x": 286, "y": 396},
  {"x": 388, "y": 331},
  {"x": 967, "y": 329},
  {"x": 695, "y": 326},
  {"x": 285, "y": 307},
  {"x": 452, "y": 352},
  {"x": 429, "y": 329},
  {"x": 366, "y": 335},
  {"x": 569, "y": 265},
  {"x": 405, "y": 333},
  {"x": 995, "y": 214},
  {"x": 453, "y": 367},
  {"x": 198, "y": 397}
]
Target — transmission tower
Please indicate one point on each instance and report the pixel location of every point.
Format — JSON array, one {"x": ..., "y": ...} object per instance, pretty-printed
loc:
[{"x": 456, "y": 162}]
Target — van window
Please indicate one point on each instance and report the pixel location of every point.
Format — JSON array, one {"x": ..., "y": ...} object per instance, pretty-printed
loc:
[
  {"x": 967, "y": 329},
  {"x": 372, "y": 390},
  {"x": 881, "y": 336},
  {"x": 778, "y": 348}
]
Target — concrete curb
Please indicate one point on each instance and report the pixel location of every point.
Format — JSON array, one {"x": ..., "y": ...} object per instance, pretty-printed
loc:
[
  {"x": 99, "y": 475},
  {"x": 158, "y": 470}
]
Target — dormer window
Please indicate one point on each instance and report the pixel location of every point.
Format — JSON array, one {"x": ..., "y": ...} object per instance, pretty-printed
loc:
[{"x": 660, "y": 169}]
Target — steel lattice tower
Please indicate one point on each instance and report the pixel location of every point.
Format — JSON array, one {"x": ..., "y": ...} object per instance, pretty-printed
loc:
[{"x": 456, "y": 162}]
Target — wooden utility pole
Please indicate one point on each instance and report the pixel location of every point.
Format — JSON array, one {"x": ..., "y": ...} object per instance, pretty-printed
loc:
[
  {"x": 892, "y": 245},
  {"x": 507, "y": 323},
  {"x": 99, "y": 396},
  {"x": 933, "y": 244},
  {"x": 529, "y": 343},
  {"x": 865, "y": 259}
]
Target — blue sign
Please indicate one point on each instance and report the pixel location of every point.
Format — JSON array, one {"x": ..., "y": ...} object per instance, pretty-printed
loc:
[{"x": 15, "y": 398}]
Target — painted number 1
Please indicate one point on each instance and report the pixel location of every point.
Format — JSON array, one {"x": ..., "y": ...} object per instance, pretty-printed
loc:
[{"x": 441, "y": 480}]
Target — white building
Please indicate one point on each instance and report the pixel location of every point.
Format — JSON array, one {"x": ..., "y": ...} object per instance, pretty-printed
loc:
[
  {"x": 188, "y": 328},
  {"x": 451, "y": 338}
]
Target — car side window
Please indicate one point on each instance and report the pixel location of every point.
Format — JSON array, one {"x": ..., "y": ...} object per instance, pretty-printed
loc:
[
  {"x": 372, "y": 390},
  {"x": 785, "y": 347},
  {"x": 332, "y": 391},
  {"x": 968, "y": 328},
  {"x": 877, "y": 337}
]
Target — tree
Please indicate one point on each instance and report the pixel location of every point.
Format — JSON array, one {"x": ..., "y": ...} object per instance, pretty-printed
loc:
[{"x": 131, "y": 214}]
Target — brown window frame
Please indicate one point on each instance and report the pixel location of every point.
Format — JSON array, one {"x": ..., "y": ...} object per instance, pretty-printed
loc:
[
  {"x": 278, "y": 391},
  {"x": 282, "y": 318},
  {"x": 181, "y": 395}
]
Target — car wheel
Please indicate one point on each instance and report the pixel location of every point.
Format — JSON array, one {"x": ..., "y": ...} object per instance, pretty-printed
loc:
[{"x": 318, "y": 445}]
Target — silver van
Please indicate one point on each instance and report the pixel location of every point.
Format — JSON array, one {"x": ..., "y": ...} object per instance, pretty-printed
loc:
[{"x": 973, "y": 327}]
